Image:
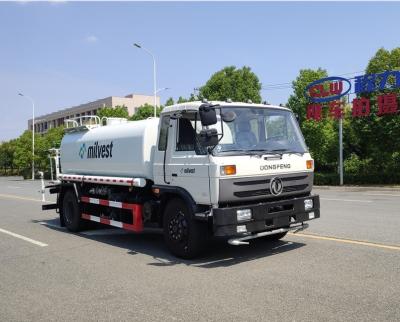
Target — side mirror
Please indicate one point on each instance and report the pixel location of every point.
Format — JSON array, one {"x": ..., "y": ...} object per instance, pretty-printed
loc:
[
  {"x": 208, "y": 116},
  {"x": 208, "y": 137}
]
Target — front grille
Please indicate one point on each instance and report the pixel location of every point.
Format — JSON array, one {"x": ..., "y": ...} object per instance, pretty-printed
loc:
[
  {"x": 253, "y": 182},
  {"x": 294, "y": 178},
  {"x": 257, "y": 188},
  {"x": 264, "y": 192},
  {"x": 252, "y": 193},
  {"x": 295, "y": 188}
]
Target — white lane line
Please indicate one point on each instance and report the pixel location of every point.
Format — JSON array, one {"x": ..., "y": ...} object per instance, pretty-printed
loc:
[
  {"x": 349, "y": 200},
  {"x": 29, "y": 240},
  {"x": 381, "y": 194}
]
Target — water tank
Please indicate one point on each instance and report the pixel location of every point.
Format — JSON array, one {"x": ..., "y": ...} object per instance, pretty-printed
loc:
[{"x": 123, "y": 150}]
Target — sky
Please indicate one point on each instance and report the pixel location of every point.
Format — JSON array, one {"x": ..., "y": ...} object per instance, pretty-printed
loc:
[{"x": 64, "y": 54}]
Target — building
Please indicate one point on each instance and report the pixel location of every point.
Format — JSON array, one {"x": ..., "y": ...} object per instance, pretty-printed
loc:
[{"x": 132, "y": 102}]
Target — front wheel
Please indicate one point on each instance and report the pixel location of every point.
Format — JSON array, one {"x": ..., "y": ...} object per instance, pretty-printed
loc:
[{"x": 184, "y": 236}]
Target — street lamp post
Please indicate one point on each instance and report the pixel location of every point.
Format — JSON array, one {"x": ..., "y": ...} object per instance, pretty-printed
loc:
[
  {"x": 162, "y": 89},
  {"x": 33, "y": 133},
  {"x": 154, "y": 76}
]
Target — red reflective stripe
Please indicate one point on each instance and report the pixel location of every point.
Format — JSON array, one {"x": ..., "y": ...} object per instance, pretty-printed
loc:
[
  {"x": 129, "y": 227},
  {"x": 137, "y": 217},
  {"x": 85, "y": 199},
  {"x": 136, "y": 210},
  {"x": 127, "y": 205}
]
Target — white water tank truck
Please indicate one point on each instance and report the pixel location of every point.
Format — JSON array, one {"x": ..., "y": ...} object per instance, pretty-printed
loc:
[{"x": 234, "y": 170}]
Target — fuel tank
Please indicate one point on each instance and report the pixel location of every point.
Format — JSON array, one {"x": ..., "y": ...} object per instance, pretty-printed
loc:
[{"x": 124, "y": 150}]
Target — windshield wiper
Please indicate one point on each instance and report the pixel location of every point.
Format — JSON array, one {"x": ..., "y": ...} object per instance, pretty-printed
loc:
[
  {"x": 262, "y": 152},
  {"x": 286, "y": 151},
  {"x": 232, "y": 150}
]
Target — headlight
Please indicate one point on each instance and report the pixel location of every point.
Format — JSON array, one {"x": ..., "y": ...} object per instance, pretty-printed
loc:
[
  {"x": 243, "y": 214},
  {"x": 308, "y": 204}
]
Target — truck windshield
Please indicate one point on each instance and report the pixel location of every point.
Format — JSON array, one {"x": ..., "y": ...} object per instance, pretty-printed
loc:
[{"x": 261, "y": 130}]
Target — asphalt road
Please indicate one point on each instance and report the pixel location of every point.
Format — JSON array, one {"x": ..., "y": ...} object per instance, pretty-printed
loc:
[{"x": 345, "y": 267}]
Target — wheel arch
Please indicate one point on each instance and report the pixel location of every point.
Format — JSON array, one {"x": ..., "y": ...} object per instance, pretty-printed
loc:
[{"x": 168, "y": 193}]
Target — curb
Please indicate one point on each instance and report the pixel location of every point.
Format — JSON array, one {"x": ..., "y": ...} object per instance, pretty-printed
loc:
[{"x": 359, "y": 188}]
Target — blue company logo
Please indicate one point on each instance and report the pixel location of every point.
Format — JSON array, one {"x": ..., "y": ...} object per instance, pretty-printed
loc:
[
  {"x": 82, "y": 150},
  {"x": 327, "y": 89}
]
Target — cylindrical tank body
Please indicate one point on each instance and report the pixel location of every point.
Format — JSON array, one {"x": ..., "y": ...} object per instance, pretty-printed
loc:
[{"x": 122, "y": 150}]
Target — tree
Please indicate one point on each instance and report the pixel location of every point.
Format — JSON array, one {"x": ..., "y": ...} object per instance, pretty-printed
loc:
[
  {"x": 7, "y": 154},
  {"x": 378, "y": 137},
  {"x": 145, "y": 111},
  {"x": 182, "y": 100},
  {"x": 169, "y": 102},
  {"x": 117, "y": 111},
  {"x": 236, "y": 84},
  {"x": 23, "y": 151},
  {"x": 298, "y": 101},
  {"x": 321, "y": 137}
]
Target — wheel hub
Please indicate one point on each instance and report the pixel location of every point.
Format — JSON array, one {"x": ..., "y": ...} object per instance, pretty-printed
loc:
[{"x": 178, "y": 227}]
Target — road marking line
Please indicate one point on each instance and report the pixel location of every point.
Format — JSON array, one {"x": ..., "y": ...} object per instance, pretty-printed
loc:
[
  {"x": 32, "y": 241},
  {"x": 381, "y": 194},
  {"x": 19, "y": 197},
  {"x": 349, "y": 200},
  {"x": 347, "y": 241}
]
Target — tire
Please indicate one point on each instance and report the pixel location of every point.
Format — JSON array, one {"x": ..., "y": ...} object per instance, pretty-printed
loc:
[
  {"x": 185, "y": 237},
  {"x": 71, "y": 212}
]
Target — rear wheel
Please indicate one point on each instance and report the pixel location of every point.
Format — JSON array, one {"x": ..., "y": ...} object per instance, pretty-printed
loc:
[
  {"x": 184, "y": 236},
  {"x": 72, "y": 213}
]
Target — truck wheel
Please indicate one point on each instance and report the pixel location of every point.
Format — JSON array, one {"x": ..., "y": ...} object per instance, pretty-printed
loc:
[
  {"x": 184, "y": 236},
  {"x": 71, "y": 212}
]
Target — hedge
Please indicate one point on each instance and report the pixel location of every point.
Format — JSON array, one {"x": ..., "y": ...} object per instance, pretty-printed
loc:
[{"x": 331, "y": 179}]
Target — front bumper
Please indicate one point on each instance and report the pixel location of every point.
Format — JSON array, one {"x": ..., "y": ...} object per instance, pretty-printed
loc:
[{"x": 266, "y": 216}]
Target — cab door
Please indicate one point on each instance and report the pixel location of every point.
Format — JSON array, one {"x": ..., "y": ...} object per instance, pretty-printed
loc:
[{"x": 188, "y": 163}]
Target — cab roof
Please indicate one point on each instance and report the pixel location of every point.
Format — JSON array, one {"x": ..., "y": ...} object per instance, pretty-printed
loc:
[{"x": 194, "y": 106}]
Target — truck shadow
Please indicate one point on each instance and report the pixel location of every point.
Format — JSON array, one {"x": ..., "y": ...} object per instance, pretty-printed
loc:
[{"x": 217, "y": 254}]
